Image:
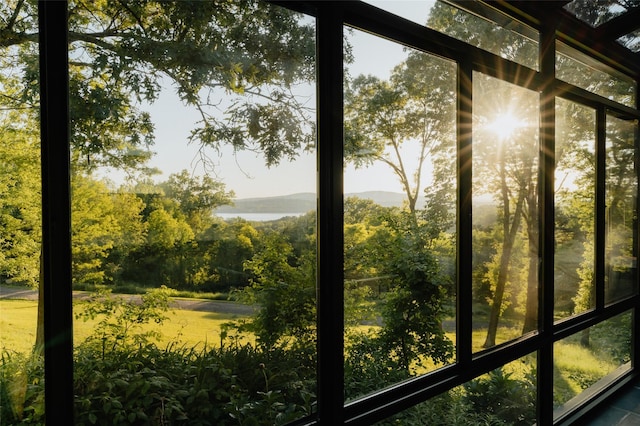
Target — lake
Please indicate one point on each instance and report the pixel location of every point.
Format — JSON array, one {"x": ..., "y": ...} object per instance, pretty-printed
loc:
[{"x": 257, "y": 217}]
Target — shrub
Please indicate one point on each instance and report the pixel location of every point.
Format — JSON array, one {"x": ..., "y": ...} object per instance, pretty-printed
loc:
[
  {"x": 21, "y": 389},
  {"x": 502, "y": 398}
]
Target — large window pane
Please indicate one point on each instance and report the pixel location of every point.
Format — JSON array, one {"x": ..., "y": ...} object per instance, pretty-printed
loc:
[
  {"x": 399, "y": 217},
  {"x": 621, "y": 219},
  {"x": 21, "y": 330},
  {"x": 496, "y": 33},
  {"x": 597, "y": 13},
  {"x": 589, "y": 360},
  {"x": 210, "y": 232},
  {"x": 505, "y": 206},
  {"x": 414, "y": 11},
  {"x": 574, "y": 281},
  {"x": 484, "y": 28},
  {"x": 504, "y": 396},
  {"x": 594, "y": 76}
]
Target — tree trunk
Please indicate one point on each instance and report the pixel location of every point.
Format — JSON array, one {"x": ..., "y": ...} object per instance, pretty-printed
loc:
[
  {"x": 38, "y": 348},
  {"x": 510, "y": 233},
  {"x": 531, "y": 311}
]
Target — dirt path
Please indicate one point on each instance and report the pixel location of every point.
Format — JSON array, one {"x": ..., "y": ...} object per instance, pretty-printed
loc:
[{"x": 220, "y": 306}]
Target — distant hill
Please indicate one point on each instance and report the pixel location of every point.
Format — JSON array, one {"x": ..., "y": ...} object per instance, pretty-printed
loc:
[
  {"x": 484, "y": 209},
  {"x": 303, "y": 202},
  {"x": 294, "y": 203}
]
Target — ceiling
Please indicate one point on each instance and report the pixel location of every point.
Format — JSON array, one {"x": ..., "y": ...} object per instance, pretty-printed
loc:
[{"x": 610, "y": 29}]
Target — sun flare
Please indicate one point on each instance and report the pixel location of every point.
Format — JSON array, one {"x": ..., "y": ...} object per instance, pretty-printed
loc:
[{"x": 505, "y": 125}]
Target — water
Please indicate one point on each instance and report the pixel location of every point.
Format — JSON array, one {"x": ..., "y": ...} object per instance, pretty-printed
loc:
[{"x": 257, "y": 217}]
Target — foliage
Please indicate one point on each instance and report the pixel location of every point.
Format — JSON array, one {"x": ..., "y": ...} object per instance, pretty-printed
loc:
[
  {"x": 123, "y": 377},
  {"x": 285, "y": 292},
  {"x": 410, "y": 336},
  {"x": 416, "y": 303},
  {"x": 368, "y": 366},
  {"x": 120, "y": 54},
  {"x": 21, "y": 388},
  {"x": 196, "y": 197},
  {"x": 19, "y": 201},
  {"x": 510, "y": 400},
  {"x": 228, "y": 246},
  {"x": 94, "y": 227},
  {"x": 120, "y": 322}
]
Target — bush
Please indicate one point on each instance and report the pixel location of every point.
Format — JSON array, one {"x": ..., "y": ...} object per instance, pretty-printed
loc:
[
  {"x": 123, "y": 377},
  {"x": 235, "y": 384},
  {"x": 504, "y": 399},
  {"x": 21, "y": 389}
]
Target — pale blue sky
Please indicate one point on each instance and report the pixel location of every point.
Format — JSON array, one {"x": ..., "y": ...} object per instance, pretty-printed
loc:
[{"x": 245, "y": 173}]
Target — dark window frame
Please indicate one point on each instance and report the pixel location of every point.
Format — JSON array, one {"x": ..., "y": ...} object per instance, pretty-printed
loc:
[{"x": 331, "y": 19}]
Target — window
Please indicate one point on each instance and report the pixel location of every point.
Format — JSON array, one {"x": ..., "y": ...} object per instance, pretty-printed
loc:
[
  {"x": 575, "y": 192},
  {"x": 594, "y": 76},
  {"x": 505, "y": 210},
  {"x": 515, "y": 255}
]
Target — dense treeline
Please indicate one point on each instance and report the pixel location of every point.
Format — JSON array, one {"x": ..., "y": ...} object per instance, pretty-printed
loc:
[{"x": 145, "y": 234}]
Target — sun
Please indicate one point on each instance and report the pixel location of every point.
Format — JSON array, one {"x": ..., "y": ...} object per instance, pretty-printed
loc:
[{"x": 505, "y": 125}]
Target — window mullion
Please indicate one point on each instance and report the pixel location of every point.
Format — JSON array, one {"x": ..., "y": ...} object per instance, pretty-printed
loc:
[
  {"x": 635, "y": 344},
  {"x": 330, "y": 273},
  {"x": 464, "y": 321},
  {"x": 546, "y": 224},
  {"x": 601, "y": 208},
  {"x": 56, "y": 212}
]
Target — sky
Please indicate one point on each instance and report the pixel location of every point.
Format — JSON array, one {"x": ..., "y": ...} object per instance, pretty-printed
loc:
[{"x": 245, "y": 173}]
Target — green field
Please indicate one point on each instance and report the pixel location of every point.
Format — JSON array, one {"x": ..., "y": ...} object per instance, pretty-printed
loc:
[
  {"x": 576, "y": 367},
  {"x": 192, "y": 328}
]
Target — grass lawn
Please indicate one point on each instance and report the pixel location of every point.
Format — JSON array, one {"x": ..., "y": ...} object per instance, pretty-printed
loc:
[
  {"x": 18, "y": 324},
  {"x": 191, "y": 328},
  {"x": 575, "y": 367}
]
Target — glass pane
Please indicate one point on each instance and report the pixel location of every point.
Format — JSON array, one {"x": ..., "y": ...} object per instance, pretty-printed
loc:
[
  {"x": 415, "y": 11},
  {"x": 631, "y": 41},
  {"x": 399, "y": 218},
  {"x": 21, "y": 330},
  {"x": 594, "y": 76},
  {"x": 596, "y": 13},
  {"x": 496, "y": 33},
  {"x": 589, "y": 360},
  {"x": 575, "y": 208},
  {"x": 505, "y": 396},
  {"x": 505, "y": 206},
  {"x": 198, "y": 257},
  {"x": 621, "y": 217}
]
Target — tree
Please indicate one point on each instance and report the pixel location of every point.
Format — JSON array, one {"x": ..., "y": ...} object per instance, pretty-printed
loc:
[
  {"x": 197, "y": 197},
  {"x": 20, "y": 211},
  {"x": 123, "y": 53},
  {"x": 367, "y": 240},
  {"x": 417, "y": 301},
  {"x": 127, "y": 209},
  {"x": 284, "y": 288},
  {"x": 621, "y": 186},
  {"x": 406, "y": 123},
  {"x": 383, "y": 118},
  {"x": 575, "y": 204},
  {"x": 93, "y": 229},
  {"x": 506, "y": 167}
]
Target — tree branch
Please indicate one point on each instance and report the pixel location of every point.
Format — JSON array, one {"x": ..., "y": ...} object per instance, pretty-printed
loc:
[
  {"x": 14, "y": 16},
  {"x": 135, "y": 16},
  {"x": 93, "y": 38},
  {"x": 10, "y": 38}
]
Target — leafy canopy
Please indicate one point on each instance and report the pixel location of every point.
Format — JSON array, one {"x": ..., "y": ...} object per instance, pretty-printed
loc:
[{"x": 123, "y": 53}]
